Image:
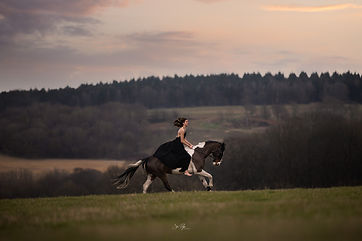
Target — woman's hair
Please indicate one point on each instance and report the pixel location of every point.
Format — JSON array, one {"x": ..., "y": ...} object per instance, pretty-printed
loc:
[{"x": 179, "y": 122}]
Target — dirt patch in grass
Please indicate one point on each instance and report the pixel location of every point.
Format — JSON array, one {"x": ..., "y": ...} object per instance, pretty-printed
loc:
[{"x": 42, "y": 165}]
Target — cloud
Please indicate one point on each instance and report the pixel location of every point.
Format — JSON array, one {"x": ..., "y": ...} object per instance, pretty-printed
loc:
[
  {"x": 161, "y": 37},
  {"x": 156, "y": 49},
  {"x": 44, "y": 16},
  {"x": 136, "y": 49},
  {"x": 58, "y": 7},
  {"x": 132, "y": 55},
  {"x": 77, "y": 30},
  {"x": 310, "y": 9}
]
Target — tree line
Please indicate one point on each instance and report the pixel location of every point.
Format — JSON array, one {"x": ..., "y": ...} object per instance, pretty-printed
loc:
[
  {"x": 200, "y": 90},
  {"x": 317, "y": 149},
  {"x": 44, "y": 130}
]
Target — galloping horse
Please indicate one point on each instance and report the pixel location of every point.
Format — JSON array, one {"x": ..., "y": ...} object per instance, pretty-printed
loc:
[{"x": 155, "y": 168}]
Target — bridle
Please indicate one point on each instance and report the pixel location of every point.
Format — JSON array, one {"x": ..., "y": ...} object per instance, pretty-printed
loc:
[{"x": 214, "y": 162}]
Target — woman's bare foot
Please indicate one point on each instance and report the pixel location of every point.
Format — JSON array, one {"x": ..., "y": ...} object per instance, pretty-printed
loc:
[{"x": 187, "y": 173}]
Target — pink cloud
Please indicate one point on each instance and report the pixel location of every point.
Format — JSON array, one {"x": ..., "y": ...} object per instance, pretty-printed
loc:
[{"x": 310, "y": 9}]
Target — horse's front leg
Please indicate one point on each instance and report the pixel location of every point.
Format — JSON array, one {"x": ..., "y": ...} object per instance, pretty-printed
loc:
[
  {"x": 191, "y": 169},
  {"x": 204, "y": 174},
  {"x": 204, "y": 182}
]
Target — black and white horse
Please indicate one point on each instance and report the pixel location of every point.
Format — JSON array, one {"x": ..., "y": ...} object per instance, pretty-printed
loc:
[{"x": 155, "y": 168}]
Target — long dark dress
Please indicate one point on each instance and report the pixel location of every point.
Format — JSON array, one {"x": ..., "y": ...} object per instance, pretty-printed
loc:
[{"x": 173, "y": 154}]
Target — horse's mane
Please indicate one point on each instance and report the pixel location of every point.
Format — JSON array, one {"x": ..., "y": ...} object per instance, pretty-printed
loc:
[
  {"x": 212, "y": 141},
  {"x": 222, "y": 144}
]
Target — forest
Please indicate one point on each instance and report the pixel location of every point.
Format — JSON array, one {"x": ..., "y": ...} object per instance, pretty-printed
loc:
[
  {"x": 41, "y": 130},
  {"x": 201, "y": 90},
  {"x": 318, "y": 147}
]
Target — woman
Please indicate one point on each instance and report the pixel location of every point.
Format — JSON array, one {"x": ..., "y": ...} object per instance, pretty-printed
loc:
[{"x": 173, "y": 153}]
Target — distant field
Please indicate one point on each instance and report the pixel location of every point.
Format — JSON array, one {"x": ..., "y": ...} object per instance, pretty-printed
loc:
[
  {"x": 220, "y": 122},
  {"x": 291, "y": 214},
  {"x": 38, "y": 166},
  {"x": 208, "y": 123}
]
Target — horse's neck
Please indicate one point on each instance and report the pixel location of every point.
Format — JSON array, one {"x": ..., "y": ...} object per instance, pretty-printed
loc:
[{"x": 207, "y": 148}]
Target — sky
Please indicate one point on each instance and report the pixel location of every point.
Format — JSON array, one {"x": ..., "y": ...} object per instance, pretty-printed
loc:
[{"x": 57, "y": 43}]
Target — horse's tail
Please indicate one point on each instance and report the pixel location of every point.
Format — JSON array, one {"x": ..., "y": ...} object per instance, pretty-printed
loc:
[{"x": 122, "y": 180}]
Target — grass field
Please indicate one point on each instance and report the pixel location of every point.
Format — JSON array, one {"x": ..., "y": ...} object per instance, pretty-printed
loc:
[{"x": 293, "y": 214}]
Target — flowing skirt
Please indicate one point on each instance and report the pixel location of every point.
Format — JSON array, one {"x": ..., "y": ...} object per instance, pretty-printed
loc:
[{"x": 173, "y": 155}]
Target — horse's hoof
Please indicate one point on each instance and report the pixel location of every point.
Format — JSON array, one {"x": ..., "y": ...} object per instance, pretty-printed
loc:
[{"x": 208, "y": 189}]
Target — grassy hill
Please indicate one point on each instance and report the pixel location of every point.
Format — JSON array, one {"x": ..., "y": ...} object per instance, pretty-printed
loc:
[
  {"x": 221, "y": 122},
  {"x": 290, "y": 214}
]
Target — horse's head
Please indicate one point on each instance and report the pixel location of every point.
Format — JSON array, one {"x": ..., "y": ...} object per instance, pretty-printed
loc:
[{"x": 217, "y": 152}]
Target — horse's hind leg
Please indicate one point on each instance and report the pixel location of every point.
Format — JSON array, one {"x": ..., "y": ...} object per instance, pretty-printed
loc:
[
  {"x": 165, "y": 182},
  {"x": 150, "y": 178}
]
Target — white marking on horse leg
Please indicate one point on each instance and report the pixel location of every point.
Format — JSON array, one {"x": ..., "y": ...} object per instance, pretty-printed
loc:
[
  {"x": 191, "y": 168},
  {"x": 147, "y": 183},
  {"x": 204, "y": 182},
  {"x": 208, "y": 175}
]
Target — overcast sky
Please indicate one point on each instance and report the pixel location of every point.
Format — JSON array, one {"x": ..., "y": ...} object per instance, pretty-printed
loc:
[{"x": 55, "y": 43}]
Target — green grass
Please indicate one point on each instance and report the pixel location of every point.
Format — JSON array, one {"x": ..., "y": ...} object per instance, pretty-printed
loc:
[
  {"x": 293, "y": 214},
  {"x": 220, "y": 122}
]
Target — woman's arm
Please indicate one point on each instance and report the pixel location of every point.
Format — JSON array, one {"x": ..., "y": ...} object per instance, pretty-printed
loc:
[{"x": 183, "y": 139}]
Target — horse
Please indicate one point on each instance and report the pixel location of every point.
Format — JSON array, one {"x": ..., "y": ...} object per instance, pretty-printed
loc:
[{"x": 155, "y": 168}]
